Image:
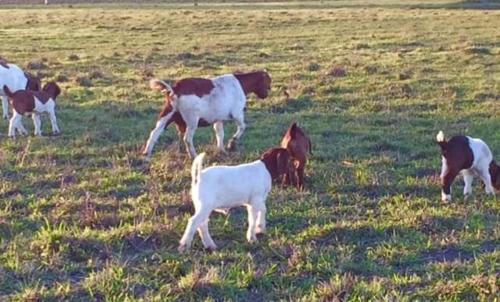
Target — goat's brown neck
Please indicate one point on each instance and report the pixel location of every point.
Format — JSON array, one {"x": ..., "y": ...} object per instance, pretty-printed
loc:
[{"x": 248, "y": 81}]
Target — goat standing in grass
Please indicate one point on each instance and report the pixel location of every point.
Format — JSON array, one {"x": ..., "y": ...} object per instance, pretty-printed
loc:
[
  {"x": 299, "y": 145},
  {"x": 224, "y": 187},
  {"x": 194, "y": 102},
  {"x": 33, "y": 103},
  {"x": 468, "y": 155}
]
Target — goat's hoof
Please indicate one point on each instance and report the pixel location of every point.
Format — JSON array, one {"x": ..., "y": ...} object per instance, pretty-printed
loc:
[
  {"x": 211, "y": 248},
  {"x": 57, "y": 133},
  {"x": 252, "y": 239},
  {"x": 5, "y": 117},
  {"x": 231, "y": 145},
  {"x": 446, "y": 199},
  {"x": 260, "y": 230},
  {"x": 182, "y": 248}
]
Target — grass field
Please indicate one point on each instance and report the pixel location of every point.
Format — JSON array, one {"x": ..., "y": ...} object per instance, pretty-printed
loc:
[{"x": 83, "y": 217}]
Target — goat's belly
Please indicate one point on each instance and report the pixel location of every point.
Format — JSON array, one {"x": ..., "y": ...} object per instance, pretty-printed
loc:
[
  {"x": 217, "y": 117},
  {"x": 225, "y": 203}
]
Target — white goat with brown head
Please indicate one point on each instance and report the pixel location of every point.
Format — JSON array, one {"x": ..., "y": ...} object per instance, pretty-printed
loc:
[{"x": 197, "y": 101}]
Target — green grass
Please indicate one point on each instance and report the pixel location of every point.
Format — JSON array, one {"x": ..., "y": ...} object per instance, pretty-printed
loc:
[{"x": 82, "y": 217}]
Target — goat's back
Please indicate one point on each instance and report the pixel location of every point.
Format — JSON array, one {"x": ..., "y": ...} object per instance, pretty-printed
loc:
[
  {"x": 224, "y": 101},
  {"x": 13, "y": 77},
  {"x": 229, "y": 186},
  {"x": 481, "y": 151}
]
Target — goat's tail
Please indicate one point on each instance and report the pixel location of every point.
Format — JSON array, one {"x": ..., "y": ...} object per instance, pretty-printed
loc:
[
  {"x": 8, "y": 92},
  {"x": 160, "y": 85},
  {"x": 441, "y": 140},
  {"x": 196, "y": 169}
]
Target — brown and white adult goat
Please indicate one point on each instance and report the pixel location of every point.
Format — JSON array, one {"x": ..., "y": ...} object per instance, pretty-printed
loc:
[
  {"x": 299, "y": 146},
  {"x": 13, "y": 77},
  {"x": 194, "y": 102}
]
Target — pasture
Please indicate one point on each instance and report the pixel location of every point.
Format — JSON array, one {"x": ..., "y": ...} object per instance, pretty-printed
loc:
[{"x": 83, "y": 217}]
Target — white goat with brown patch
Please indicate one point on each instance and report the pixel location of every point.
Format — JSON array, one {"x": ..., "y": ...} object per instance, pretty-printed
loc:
[
  {"x": 224, "y": 187},
  {"x": 207, "y": 101},
  {"x": 471, "y": 157},
  {"x": 27, "y": 102}
]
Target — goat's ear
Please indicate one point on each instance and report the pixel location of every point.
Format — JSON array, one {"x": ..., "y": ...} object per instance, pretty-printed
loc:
[
  {"x": 58, "y": 90},
  {"x": 293, "y": 130}
]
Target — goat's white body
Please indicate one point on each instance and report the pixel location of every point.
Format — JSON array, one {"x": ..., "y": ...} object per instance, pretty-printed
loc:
[
  {"x": 15, "y": 79},
  {"x": 226, "y": 101},
  {"x": 48, "y": 107},
  {"x": 223, "y": 187},
  {"x": 480, "y": 167}
]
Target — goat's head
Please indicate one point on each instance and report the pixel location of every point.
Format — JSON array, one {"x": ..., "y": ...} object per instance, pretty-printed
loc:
[
  {"x": 264, "y": 84},
  {"x": 495, "y": 175},
  {"x": 3, "y": 63},
  {"x": 33, "y": 82},
  {"x": 160, "y": 85},
  {"x": 52, "y": 89},
  {"x": 278, "y": 162}
]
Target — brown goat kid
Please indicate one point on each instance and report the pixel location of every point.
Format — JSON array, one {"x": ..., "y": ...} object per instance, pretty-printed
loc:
[{"x": 299, "y": 146}]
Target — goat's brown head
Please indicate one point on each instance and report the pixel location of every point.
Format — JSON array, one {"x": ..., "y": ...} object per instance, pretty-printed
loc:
[
  {"x": 52, "y": 89},
  {"x": 278, "y": 162},
  {"x": 495, "y": 175},
  {"x": 258, "y": 82},
  {"x": 262, "y": 90},
  {"x": 3, "y": 63},
  {"x": 33, "y": 82},
  {"x": 296, "y": 141}
]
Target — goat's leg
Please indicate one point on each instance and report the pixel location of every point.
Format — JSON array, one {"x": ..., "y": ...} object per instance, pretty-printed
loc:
[
  {"x": 260, "y": 206},
  {"x": 12, "y": 125},
  {"x": 240, "y": 122},
  {"x": 37, "y": 123},
  {"x": 5, "y": 106},
  {"x": 468, "y": 179},
  {"x": 484, "y": 173},
  {"x": 446, "y": 180},
  {"x": 300, "y": 175},
  {"x": 188, "y": 141},
  {"x": 20, "y": 126},
  {"x": 207, "y": 240},
  {"x": 194, "y": 223},
  {"x": 180, "y": 133},
  {"x": 219, "y": 135},
  {"x": 252, "y": 222},
  {"x": 155, "y": 134},
  {"x": 53, "y": 121}
]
